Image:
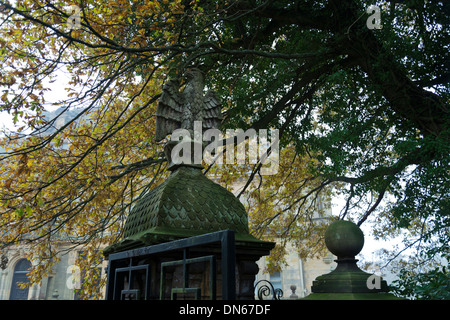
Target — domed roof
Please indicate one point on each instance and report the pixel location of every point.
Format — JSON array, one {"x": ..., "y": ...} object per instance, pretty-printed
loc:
[{"x": 186, "y": 204}]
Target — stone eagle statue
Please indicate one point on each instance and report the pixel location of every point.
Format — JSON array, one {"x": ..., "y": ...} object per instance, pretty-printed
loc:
[{"x": 179, "y": 109}]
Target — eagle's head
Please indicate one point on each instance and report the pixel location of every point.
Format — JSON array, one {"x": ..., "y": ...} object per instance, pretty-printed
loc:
[{"x": 194, "y": 74}]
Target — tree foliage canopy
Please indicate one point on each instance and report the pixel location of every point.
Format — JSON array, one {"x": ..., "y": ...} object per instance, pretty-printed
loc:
[{"x": 362, "y": 110}]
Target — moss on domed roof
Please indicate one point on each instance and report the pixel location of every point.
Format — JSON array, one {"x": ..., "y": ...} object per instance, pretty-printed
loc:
[{"x": 186, "y": 204}]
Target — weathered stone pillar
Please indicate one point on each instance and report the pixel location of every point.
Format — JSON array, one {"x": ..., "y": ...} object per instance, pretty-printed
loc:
[{"x": 347, "y": 282}]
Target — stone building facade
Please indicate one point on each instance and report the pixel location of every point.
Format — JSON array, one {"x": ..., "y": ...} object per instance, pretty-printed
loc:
[
  {"x": 295, "y": 279},
  {"x": 58, "y": 285}
]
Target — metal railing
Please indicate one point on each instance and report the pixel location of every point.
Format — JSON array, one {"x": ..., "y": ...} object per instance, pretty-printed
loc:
[{"x": 265, "y": 288}]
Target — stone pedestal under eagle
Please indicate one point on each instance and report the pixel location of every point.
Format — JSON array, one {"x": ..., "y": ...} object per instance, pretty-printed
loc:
[{"x": 178, "y": 109}]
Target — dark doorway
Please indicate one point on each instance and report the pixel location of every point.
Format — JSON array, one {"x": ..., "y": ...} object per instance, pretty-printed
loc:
[{"x": 20, "y": 276}]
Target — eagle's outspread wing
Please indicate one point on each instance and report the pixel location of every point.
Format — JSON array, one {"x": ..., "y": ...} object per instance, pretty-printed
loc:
[
  {"x": 169, "y": 110},
  {"x": 212, "y": 114},
  {"x": 180, "y": 109}
]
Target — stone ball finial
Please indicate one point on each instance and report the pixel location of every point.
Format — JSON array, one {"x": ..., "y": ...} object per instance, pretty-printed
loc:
[{"x": 344, "y": 239}]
